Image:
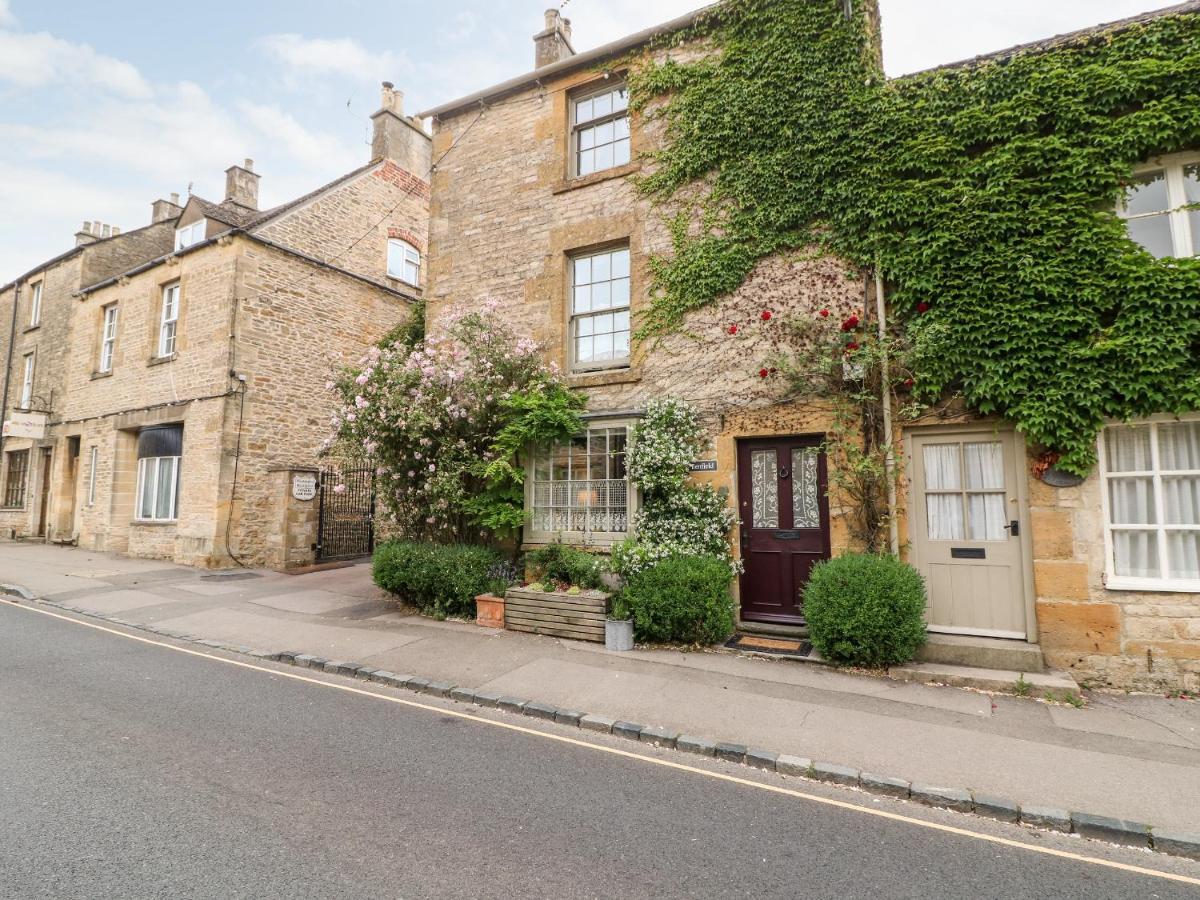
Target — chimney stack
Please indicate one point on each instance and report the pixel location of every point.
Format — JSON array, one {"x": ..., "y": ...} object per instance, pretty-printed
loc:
[
  {"x": 554, "y": 43},
  {"x": 95, "y": 231},
  {"x": 398, "y": 137},
  {"x": 162, "y": 210},
  {"x": 241, "y": 185}
]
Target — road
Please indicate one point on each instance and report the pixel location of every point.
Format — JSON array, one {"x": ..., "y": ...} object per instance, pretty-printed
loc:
[{"x": 131, "y": 769}]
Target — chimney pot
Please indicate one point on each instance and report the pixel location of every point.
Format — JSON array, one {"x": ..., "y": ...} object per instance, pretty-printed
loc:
[
  {"x": 398, "y": 138},
  {"x": 391, "y": 99},
  {"x": 105, "y": 231},
  {"x": 162, "y": 210},
  {"x": 175, "y": 198}
]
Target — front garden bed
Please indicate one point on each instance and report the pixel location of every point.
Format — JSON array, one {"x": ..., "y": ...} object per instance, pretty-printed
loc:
[{"x": 578, "y": 616}]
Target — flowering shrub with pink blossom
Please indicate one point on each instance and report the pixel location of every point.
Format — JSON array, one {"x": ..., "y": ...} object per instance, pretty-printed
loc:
[{"x": 445, "y": 420}]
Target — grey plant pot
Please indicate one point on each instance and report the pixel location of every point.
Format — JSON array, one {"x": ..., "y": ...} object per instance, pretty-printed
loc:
[{"x": 618, "y": 634}]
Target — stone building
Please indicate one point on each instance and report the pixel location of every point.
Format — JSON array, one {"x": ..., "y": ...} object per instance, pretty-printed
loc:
[
  {"x": 181, "y": 369},
  {"x": 533, "y": 206}
]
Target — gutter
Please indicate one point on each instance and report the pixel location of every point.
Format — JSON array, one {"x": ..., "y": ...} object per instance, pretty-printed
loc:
[{"x": 563, "y": 66}]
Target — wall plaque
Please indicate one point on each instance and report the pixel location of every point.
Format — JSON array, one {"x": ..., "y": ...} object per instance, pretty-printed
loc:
[
  {"x": 304, "y": 485},
  {"x": 704, "y": 465}
]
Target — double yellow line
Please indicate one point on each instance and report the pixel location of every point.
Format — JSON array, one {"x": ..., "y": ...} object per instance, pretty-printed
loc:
[{"x": 614, "y": 751}]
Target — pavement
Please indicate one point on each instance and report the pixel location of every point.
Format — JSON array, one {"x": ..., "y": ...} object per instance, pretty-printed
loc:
[
  {"x": 135, "y": 770},
  {"x": 1130, "y": 757}
]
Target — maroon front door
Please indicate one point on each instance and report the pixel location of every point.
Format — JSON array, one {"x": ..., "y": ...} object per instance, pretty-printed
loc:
[{"x": 785, "y": 523}]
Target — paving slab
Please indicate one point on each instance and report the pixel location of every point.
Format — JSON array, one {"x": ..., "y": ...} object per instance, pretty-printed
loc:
[
  {"x": 110, "y": 602},
  {"x": 311, "y": 602}
]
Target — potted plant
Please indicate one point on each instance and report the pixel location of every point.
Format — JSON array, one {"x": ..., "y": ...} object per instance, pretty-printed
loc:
[
  {"x": 489, "y": 606},
  {"x": 618, "y": 627}
]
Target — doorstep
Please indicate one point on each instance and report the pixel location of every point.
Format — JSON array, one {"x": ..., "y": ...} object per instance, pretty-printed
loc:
[
  {"x": 1006, "y": 654},
  {"x": 1051, "y": 684}
]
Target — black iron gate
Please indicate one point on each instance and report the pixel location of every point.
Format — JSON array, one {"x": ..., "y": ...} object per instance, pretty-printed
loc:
[{"x": 346, "y": 519}]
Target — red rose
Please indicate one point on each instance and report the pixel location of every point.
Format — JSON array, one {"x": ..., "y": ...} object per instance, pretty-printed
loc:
[
  {"x": 733, "y": 329},
  {"x": 908, "y": 382},
  {"x": 850, "y": 324},
  {"x": 763, "y": 373},
  {"x": 853, "y": 345},
  {"x": 824, "y": 314},
  {"x": 766, "y": 315},
  {"x": 922, "y": 307}
]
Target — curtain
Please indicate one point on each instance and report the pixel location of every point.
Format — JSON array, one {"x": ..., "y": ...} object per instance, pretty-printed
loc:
[
  {"x": 1183, "y": 554},
  {"x": 1136, "y": 553},
  {"x": 1128, "y": 448},
  {"x": 944, "y": 512},
  {"x": 1131, "y": 501},
  {"x": 1179, "y": 446}
]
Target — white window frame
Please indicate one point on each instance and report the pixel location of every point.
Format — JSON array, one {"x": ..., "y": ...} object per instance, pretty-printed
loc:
[
  {"x": 147, "y": 481},
  {"x": 92, "y": 458},
  {"x": 599, "y": 538},
  {"x": 168, "y": 321},
  {"x": 1172, "y": 167},
  {"x": 35, "y": 304},
  {"x": 1112, "y": 580},
  {"x": 574, "y": 318},
  {"x": 108, "y": 337},
  {"x": 581, "y": 127},
  {"x": 28, "y": 371},
  {"x": 190, "y": 234},
  {"x": 407, "y": 265}
]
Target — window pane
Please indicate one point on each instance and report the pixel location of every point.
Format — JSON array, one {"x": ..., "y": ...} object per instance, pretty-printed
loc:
[
  {"x": 582, "y": 298},
  {"x": 620, "y": 263},
  {"x": 587, "y": 162},
  {"x": 621, "y": 98},
  {"x": 560, "y": 461},
  {"x": 984, "y": 464},
  {"x": 1181, "y": 499},
  {"x": 602, "y": 105},
  {"x": 1191, "y": 183},
  {"x": 1131, "y": 501},
  {"x": 583, "y": 350},
  {"x": 1128, "y": 448},
  {"x": 1153, "y": 233},
  {"x": 764, "y": 489},
  {"x": 165, "y": 488},
  {"x": 941, "y": 467},
  {"x": 621, "y": 152},
  {"x": 583, "y": 270},
  {"x": 583, "y": 326},
  {"x": 1147, "y": 194},
  {"x": 620, "y": 292},
  {"x": 1179, "y": 446},
  {"x": 583, "y": 110},
  {"x": 986, "y": 517},
  {"x": 604, "y": 133},
  {"x": 602, "y": 267},
  {"x": 621, "y": 128},
  {"x": 806, "y": 510},
  {"x": 602, "y": 295},
  {"x": 587, "y": 139},
  {"x": 146, "y": 473},
  {"x": 604, "y": 157},
  {"x": 621, "y": 345},
  {"x": 1135, "y": 554},
  {"x": 1183, "y": 554},
  {"x": 945, "y": 517},
  {"x": 621, "y": 321},
  {"x": 1194, "y": 221}
]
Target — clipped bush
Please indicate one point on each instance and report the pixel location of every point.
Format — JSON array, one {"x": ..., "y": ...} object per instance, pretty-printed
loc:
[
  {"x": 865, "y": 610},
  {"x": 558, "y": 562},
  {"x": 682, "y": 599},
  {"x": 439, "y": 579}
]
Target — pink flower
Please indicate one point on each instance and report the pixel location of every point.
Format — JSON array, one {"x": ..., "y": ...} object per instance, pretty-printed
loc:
[
  {"x": 361, "y": 379},
  {"x": 339, "y": 489},
  {"x": 766, "y": 315},
  {"x": 432, "y": 467}
]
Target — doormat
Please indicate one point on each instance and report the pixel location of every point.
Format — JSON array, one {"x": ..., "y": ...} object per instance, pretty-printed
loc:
[{"x": 756, "y": 643}]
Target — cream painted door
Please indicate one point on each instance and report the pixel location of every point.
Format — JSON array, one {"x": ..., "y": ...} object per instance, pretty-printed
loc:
[{"x": 966, "y": 521}]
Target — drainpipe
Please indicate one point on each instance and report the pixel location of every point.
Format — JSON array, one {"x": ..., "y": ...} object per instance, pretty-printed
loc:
[
  {"x": 889, "y": 460},
  {"x": 12, "y": 339}
]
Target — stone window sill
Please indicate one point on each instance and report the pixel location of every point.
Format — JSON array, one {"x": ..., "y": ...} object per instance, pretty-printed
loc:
[
  {"x": 602, "y": 377},
  {"x": 107, "y": 374},
  {"x": 1152, "y": 586},
  {"x": 29, "y": 328},
  {"x": 159, "y": 360},
  {"x": 153, "y": 523},
  {"x": 12, "y": 509},
  {"x": 572, "y": 184}
]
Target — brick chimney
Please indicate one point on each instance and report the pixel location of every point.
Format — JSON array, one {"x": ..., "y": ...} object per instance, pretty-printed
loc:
[
  {"x": 241, "y": 185},
  {"x": 398, "y": 137},
  {"x": 554, "y": 43},
  {"x": 95, "y": 231},
  {"x": 161, "y": 210}
]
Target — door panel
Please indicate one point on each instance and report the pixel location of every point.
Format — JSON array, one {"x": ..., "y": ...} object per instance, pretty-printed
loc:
[
  {"x": 785, "y": 524},
  {"x": 964, "y": 543}
]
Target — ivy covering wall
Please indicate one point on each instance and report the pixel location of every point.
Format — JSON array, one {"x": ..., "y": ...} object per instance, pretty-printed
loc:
[{"x": 985, "y": 194}]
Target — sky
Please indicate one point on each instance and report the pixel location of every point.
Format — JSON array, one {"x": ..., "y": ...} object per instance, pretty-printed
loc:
[{"x": 105, "y": 107}]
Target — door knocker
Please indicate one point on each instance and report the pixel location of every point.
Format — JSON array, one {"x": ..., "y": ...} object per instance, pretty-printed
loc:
[{"x": 784, "y": 471}]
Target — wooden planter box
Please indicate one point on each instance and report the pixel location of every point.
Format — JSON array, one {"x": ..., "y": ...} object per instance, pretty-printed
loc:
[{"x": 579, "y": 616}]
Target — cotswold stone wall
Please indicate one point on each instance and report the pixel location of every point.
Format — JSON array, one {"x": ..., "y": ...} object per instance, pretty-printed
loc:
[
  {"x": 349, "y": 225},
  {"x": 289, "y": 342},
  {"x": 1126, "y": 639}
]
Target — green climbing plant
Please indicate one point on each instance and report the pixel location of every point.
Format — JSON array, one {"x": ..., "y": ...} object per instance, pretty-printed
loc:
[{"x": 985, "y": 192}]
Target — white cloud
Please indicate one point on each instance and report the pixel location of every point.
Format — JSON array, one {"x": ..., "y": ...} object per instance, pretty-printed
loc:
[
  {"x": 7, "y": 19},
  {"x": 307, "y": 147},
  {"x": 36, "y": 60},
  {"x": 331, "y": 56},
  {"x": 461, "y": 27}
]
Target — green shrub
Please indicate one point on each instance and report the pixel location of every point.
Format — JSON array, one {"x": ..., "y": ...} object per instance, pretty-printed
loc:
[
  {"x": 865, "y": 610},
  {"x": 682, "y": 598},
  {"x": 439, "y": 579},
  {"x": 558, "y": 562}
]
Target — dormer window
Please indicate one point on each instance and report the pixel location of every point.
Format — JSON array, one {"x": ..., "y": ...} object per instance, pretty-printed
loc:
[
  {"x": 189, "y": 234},
  {"x": 404, "y": 262}
]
